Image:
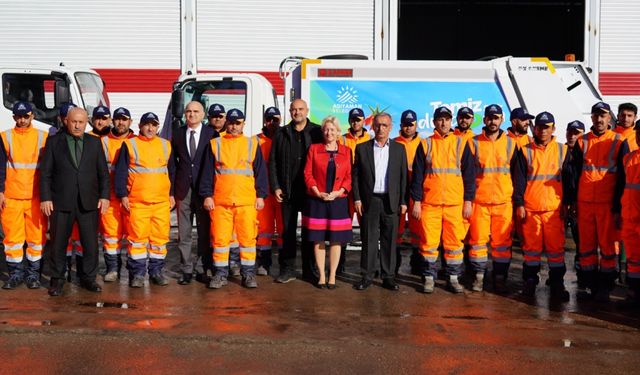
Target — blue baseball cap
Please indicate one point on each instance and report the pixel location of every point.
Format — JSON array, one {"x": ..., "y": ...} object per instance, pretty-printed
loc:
[
  {"x": 22, "y": 108},
  {"x": 600, "y": 107},
  {"x": 442, "y": 112},
  {"x": 235, "y": 114},
  {"x": 521, "y": 114},
  {"x": 271, "y": 112},
  {"x": 492, "y": 109},
  {"x": 544, "y": 119},
  {"x": 101, "y": 111},
  {"x": 356, "y": 113},
  {"x": 577, "y": 125},
  {"x": 216, "y": 110},
  {"x": 64, "y": 109},
  {"x": 408, "y": 117},
  {"x": 465, "y": 112},
  {"x": 122, "y": 112},
  {"x": 149, "y": 117}
]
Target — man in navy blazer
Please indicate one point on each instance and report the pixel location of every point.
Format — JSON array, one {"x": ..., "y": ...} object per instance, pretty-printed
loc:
[{"x": 189, "y": 144}]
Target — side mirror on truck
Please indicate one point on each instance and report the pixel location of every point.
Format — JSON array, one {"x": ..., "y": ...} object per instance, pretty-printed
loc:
[{"x": 177, "y": 104}]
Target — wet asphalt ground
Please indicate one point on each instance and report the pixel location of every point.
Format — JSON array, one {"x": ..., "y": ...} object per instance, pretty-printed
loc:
[{"x": 295, "y": 328}]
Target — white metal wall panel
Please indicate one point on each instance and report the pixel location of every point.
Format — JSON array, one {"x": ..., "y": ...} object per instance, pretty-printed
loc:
[
  {"x": 620, "y": 36},
  {"x": 98, "y": 34},
  {"x": 257, "y": 35}
]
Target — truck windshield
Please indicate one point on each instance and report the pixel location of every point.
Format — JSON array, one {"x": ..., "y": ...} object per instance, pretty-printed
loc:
[
  {"x": 92, "y": 90},
  {"x": 231, "y": 94}
]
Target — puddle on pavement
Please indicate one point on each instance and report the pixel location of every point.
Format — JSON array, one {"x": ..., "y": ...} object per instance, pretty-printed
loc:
[{"x": 112, "y": 305}]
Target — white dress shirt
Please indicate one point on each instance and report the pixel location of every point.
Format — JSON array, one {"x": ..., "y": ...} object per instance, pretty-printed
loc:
[
  {"x": 196, "y": 135},
  {"x": 381, "y": 161}
]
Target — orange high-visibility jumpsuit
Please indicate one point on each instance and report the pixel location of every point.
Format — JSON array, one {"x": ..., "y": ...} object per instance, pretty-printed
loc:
[
  {"x": 234, "y": 197},
  {"x": 270, "y": 217},
  {"x": 22, "y": 219},
  {"x": 596, "y": 188},
  {"x": 492, "y": 217},
  {"x": 439, "y": 174},
  {"x": 521, "y": 140},
  {"x": 629, "y": 135},
  {"x": 113, "y": 222},
  {"x": 631, "y": 218},
  {"x": 352, "y": 141},
  {"x": 149, "y": 187},
  {"x": 465, "y": 136},
  {"x": 415, "y": 227},
  {"x": 543, "y": 228}
]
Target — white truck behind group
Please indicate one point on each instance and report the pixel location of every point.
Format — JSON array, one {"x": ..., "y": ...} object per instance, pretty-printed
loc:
[{"x": 334, "y": 86}]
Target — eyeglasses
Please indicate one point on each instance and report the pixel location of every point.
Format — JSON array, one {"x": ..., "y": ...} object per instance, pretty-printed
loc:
[
  {"x": 217, "y": 116},
  {"x": 273, "y": 119}
]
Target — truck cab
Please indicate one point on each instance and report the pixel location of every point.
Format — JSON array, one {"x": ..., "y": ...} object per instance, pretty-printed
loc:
[
  {"x": 46, "y": 89},
  {"x": 250, "y": 92}
]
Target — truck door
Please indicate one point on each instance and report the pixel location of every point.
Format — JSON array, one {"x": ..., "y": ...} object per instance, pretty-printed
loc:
[{"x": 44, "y": 91}]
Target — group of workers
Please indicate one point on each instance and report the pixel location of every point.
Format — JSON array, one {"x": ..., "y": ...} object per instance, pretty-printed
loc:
[{"x": 460, "y": 202}]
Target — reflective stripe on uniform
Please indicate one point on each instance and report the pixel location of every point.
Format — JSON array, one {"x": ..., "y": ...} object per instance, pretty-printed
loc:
[
  {"x": 137, "y": 168},
  {"x": 247, "y": 171}
]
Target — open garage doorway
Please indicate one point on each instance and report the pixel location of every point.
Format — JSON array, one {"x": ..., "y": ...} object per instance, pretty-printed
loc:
[{"x": 477, "y": 29}]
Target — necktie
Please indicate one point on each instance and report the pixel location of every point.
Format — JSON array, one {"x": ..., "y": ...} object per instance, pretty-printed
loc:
[
  {"x": 78, "y": 151},
  {"x": 192, "y": 145}
]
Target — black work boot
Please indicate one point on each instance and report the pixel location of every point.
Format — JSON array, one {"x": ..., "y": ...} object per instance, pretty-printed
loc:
[
  {"x": 531, "y": 279},
  {"x": 16, "y": 275},
  {"x": 557, "y": 291}
]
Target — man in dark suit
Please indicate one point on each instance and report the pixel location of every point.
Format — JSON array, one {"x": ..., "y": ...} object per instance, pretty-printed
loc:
[
  {"x": 74, "y": 185},
  {"x": 188, "y": 145},
  {"x": 380, "y": 195}
]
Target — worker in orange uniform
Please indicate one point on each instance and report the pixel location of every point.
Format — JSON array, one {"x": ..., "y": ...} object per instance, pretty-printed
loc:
[
  {"x": 597, "y": 161},
  {"x": 22, "y": 220},
  {"x": 356, "y": 134},
  {"x": 625, "y": 121},
  {"x": 464, "y": 119},
  {"x": 100, "y": 121},
  {"x": 575, "y": 130},
  {"x": 520, "y": 123},
  {"x": 411, "y": 140},
  {"x": 143, "y": 182},
  {"x": 541, "y": 180},
  {"x": 217, "y": 118},
  {"x": 113, "y": 223},
  {"x": 442, "y": 189},
  {"x": 270, "y": 217},
  {"x": 233, "y": 196},
  {"x": 631, "y": 219},
  {"x": 496, "y": 155}
]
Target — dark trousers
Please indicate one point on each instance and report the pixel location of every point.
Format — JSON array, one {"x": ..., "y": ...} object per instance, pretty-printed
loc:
[
  {"x": 186, "y": 209},
  {"x": 379, "y": 232},
  {"x": 287, "y": 256},
  {"x": 61, "y": 225}
]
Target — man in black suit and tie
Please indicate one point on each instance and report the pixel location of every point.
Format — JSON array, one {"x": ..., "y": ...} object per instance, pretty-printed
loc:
[
  {"x": 379, "y": 186},
  {"x": 188, "y": 145},
  {"x": 74, "y": 185}
]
